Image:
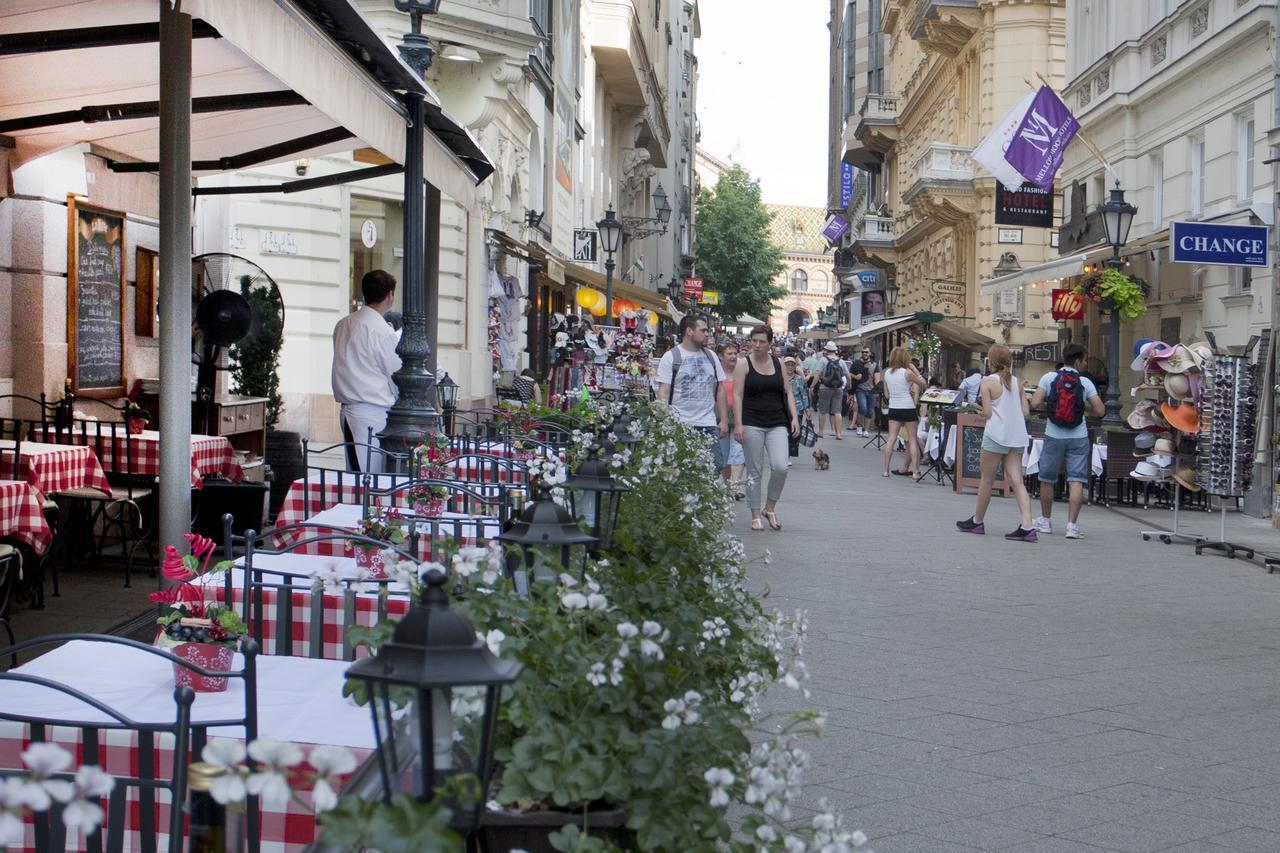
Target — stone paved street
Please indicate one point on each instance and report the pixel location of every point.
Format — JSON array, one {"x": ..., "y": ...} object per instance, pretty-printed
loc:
[{"x": 1107, "y": 694}]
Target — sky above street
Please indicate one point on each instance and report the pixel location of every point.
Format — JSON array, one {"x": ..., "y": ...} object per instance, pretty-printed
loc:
[{"x": 762, "y": 93}]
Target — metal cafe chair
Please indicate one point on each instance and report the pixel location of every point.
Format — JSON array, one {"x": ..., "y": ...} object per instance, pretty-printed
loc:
[
  {"x": 181, "y": 735},
  {"x": 321, "y": 476}
]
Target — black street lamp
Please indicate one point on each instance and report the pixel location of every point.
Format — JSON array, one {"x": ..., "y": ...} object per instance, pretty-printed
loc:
[
  {"x": 662, "y": 204},
  {"x": 447, "y": 394},
  {"x": 596, "y": 497},
  {"x": 891, "y": 295},
  {"x": 1117, "y": 217},
  {"x": 546, "y": 535},
  {"x": 610, "y": 240},
  {"x": 433, "y": 651}
]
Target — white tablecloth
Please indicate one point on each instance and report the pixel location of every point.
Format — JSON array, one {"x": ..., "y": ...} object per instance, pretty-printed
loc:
[
  {"x": 299, "y": 699},
  {"x": 305, "y": 565},
  {"x": 347, "y": 516},
  {"x": 1031, "y": 458}
]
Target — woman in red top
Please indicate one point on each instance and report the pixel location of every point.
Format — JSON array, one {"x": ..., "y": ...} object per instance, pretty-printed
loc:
[{"x": 730, "y": 448}]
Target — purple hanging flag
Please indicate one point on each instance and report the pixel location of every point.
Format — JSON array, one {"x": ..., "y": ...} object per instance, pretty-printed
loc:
[
  {"x": 1041, "y": 139},
  {"x": 837, "y": 226}
]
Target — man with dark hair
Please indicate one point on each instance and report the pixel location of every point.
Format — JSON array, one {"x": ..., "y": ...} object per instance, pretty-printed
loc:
[
  {"x": 364, "y": 359},
  {"x": 691, "y": 381},
  {"x": 1068, "y": 396}
]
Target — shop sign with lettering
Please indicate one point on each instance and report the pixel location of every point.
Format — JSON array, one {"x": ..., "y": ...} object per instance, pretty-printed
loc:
[
  {"x": 1027, "y": 205},
  {"x": 1222, "y": 245}
]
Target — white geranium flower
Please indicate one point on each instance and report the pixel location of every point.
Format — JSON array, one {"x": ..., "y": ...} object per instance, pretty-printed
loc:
[
  {"x": 615, "y": 674},
  {"x": 766, "y": 833},
  {"x": 45, "y": 759},
  {"x": 327, "y": 578},
  {"x": 493, "y": 640},
  {"x": 18, "y": 792},
  {"x": 792, "y": 844},
  {"x": 330, "y": 761},
  {"x": 323, "y": 797},
  {"x": 719, "y": 778},
  {"x": 573, "y": 601},
  {"x": 568, "y": 580},
  {"x": 82, "y": 815},
  {"x": 224, "y": 753},
  {"x": 12, "y": 832},
  {"x": 674, "y": 708},
  {"x": 596, "y": 676},
  {"x": 271, "y": 783},
  {"x": 227, "y": 755},
  {"x": 60, "y": 789},
  {"x": 597, "y": 602},
  {"x": 93, "y": 781},
  {"x": 467, "y": 561},
  {"x": 626, "y": 630}
]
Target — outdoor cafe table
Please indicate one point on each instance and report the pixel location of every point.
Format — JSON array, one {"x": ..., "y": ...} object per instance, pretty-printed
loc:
[
  {"x": 210, "y": 454},
  {"x": 364, "y": 608},
  {"x": 299, "y": 700},
  {"x": 347, "y": 517},
  {"x": 22, "y": 516},
  {"x": 52, "y": 468}
]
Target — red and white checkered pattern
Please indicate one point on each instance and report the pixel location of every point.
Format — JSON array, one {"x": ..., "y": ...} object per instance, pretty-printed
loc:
[
  {"x": 57, "y": 468},
  {"x": 210, "y": 454},
  {"x": 463, "y": 530},
  {"x": 22, "y": 516},
  {"x": 333, "y": 622},
  {"x": 286, "y": 829},
  {"x": 331, "y": 492}
]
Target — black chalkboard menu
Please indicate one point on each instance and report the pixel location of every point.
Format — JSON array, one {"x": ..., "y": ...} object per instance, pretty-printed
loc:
[
  {"x": 969, "y": 455},
  {"x": 95, "y": 300}
]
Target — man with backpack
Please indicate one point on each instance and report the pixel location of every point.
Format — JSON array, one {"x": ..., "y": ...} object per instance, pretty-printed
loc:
[
  {"x": 1067, "y": 397},
  {"x": 829, "y": 378},
  {"x": 690, "y": 380}
]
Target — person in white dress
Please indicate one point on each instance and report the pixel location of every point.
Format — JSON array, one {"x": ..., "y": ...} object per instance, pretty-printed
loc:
[{"x": 1004, "y": 439}]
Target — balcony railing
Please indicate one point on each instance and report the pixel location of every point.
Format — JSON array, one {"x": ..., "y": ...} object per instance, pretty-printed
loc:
[
  {"x": 876, "y": 229},
  {"x": 879, "y": 107},
  {"x": 942, "y": 161}
]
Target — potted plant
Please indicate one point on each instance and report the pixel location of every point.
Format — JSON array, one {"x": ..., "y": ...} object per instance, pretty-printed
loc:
[
  {"x": 433, "y": 459},
  {"x": 384, "y": 526},
  {"x": 192, "y": 627},
  {"x": 1112, "y": 290},
  {"x": 136, "y": 418}
]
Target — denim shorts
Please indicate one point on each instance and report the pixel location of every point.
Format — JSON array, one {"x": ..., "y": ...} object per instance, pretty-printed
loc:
[
  {"x": 713, "y": 445},
  {"x": 731, "y": 451},
  {"x": 864, "y": 402},
  {"x": 1078, "y": 455}
]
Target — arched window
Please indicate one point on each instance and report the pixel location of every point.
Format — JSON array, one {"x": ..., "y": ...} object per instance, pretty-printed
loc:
[{"x": 799, "y": 281}]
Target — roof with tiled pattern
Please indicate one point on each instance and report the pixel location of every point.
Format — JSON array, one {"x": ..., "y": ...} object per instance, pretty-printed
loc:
[{"x": 798, "y": 229}]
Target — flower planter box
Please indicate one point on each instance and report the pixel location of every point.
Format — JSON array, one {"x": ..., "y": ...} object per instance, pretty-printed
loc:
[
  {"x": 371, "y": 559},
  {"x": 213, "y": 656},
  {"x": 531, "y": 831}
]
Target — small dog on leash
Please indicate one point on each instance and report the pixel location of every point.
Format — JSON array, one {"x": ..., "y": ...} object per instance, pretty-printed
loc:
[{"x": 821, "y": 461}]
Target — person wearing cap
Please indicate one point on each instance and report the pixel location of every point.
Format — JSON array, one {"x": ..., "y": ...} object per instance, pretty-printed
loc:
[
  {"x": 1066, "y": 445},
  {"x": 830, "y": 398}
]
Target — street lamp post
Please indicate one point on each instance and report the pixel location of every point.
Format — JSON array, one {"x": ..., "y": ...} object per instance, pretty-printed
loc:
[
  {"x": 610, "y": 240},
  {"x": 891, "y": 296},
  {"x": 1117, "y": 217}
]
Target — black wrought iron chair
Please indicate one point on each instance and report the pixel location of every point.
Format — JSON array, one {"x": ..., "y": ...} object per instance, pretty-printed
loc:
[
  {"x": 486, "y": 468},
  {"x": 322, "y": 475},
  {"x": 481, "y": 508},
  {"x": 261, "y": 580},
  {"x": 188, "y": 739}
]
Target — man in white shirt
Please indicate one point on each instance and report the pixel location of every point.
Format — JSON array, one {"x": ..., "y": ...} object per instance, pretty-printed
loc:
[
  {"x": 364, "y": 359},
  {"x": 970, "y": 387},
  {"x": 691, "y": 380}
]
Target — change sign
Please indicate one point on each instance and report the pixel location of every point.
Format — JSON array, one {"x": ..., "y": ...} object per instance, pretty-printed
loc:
[{"x": 1224, "y": 245}]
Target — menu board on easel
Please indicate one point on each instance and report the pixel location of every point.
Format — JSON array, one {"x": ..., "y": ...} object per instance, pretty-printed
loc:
[
  {"x": 95, "y": 300},
  {"x": 968, "y": 473}
]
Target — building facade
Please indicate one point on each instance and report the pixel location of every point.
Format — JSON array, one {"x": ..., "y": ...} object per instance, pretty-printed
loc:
[
  {"x": 936, "y": 77},
  {"x": 807, "y": 275}
]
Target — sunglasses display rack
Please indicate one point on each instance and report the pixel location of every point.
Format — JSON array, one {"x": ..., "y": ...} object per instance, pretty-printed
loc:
[{"x": 1225, "y": 443}]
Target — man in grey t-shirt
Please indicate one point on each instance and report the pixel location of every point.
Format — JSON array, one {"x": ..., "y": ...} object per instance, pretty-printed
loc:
[{"x": 691, "y": 379}]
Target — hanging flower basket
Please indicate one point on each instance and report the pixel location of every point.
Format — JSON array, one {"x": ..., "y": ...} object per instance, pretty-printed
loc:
[{"x": 1112, "y": 290}]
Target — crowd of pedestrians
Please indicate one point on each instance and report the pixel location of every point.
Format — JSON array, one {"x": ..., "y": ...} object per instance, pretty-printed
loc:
[{"x": 753, "y": 398}]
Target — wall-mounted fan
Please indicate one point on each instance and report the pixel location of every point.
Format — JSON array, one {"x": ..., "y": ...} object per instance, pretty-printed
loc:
[
  {"x": 1096, "y": 370},
  {"x": 235, "y": 305}
]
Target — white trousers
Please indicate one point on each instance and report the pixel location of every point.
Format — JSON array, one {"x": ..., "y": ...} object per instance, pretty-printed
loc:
[
  {"x": 360, "y": 418},
  {"x": 765, "y": 445}
]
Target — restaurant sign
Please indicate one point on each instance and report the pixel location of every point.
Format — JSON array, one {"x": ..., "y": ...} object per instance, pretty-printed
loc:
[
  {"x": 1222, "y": 245},
  {"x": 1027, "y": 205}
]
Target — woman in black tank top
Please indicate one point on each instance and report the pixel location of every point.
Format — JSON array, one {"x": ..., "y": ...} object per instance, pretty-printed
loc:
[{"x": 764, "y": 412}]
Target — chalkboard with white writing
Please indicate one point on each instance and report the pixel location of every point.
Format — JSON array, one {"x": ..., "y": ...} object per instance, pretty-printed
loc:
[
  {"x": 969, "y": 455},
  {"x": 95, "y": 300}
]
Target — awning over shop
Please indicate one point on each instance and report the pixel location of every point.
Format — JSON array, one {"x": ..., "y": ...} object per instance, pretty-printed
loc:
[
  {"x": 745, "y": 321},
  {"x": 585, "y": 277},
  {"x": 948, "y": 331},
  {"x": 957, "y": 335},
  {"x": 269, "y": 84},
  {"x": 1057, "y": 268},
  {"x": 879, "y": 327}
]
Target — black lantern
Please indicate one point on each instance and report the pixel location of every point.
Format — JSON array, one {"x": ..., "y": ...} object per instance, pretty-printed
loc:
[
  {"x": 546, "y": 534},
  {"x": 1117, "y": 217},
  {"x": 661, "y": 204},
  {"x": 433, "y": 652},
  {"x": 610, "y": 241},
  {"x": 891, "y": 295},
  {"x": 447, "y": 392},
  {"x": 621, "y": 432},
  {"x": 596, "y": 497}
]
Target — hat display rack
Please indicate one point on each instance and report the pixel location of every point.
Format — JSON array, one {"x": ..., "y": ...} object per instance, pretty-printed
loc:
[
  {"x": 1168, "y": 426},
  {"x": 1228, "y": 418}
]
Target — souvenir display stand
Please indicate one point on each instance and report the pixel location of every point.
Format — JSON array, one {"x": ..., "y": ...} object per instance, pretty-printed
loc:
[{"x": 1228, "y": 418}]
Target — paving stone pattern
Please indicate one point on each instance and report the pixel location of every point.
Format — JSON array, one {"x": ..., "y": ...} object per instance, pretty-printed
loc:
[{"x": 1105, "y": 694}]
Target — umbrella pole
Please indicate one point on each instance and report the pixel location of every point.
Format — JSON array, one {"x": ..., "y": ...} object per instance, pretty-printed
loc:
[{"x": 175, "y": 273}]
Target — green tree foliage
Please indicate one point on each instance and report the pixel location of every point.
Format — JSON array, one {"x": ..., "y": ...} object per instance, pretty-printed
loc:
[
  {"x": 256, "y": 357},
  {"x": 735, "y": 255}
]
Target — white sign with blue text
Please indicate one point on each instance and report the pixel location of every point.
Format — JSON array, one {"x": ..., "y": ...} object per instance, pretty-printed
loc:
[{"x": 1223, "y": 245}]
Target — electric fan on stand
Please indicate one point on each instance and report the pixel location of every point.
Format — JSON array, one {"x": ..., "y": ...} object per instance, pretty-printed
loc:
[{"x": 1096, "y": 370}]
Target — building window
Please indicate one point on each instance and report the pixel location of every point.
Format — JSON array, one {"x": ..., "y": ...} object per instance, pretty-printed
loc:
[
  {"x": 387, "y": 235},
  {"x": 1242, "y": 280},
  {"x": 1244, "y": 156},
  {"x": 1157, "y": 191},
  {"x": 799, "y": 281},
  {"x": 1197, "y": 174}
]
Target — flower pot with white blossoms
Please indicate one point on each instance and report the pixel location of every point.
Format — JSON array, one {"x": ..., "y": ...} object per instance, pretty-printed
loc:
[{"x": 384, "y": 526}]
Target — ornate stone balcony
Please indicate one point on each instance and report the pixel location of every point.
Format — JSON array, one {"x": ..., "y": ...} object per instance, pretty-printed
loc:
[
  {"x": 941, "y": 184},
  {"x": 943, "y": 26},
  {"x": 876, "y": 230},
  {"x": 876, "y": 131}
]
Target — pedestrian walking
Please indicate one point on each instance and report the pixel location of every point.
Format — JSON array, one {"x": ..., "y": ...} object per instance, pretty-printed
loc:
[
  {"x": 903, "y": 414},
  {"x": 828, "y": 380},
  {"x": 731, "y": 452},
  {"x": 1068, "y": 395},
  {"x": 800, "y": 393},
  {"x": 764, "y": 415},
  {"x": 1004, "y": 438},
  {"x": 689, "y": 380},
  {"x": 364, "y": 359},
  {"x": 866, "y": 393}
]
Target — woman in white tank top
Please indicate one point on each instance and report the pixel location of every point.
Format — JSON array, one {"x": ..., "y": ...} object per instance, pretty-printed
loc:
[
  {"x": 903, "y": 414},
  {"x": 1004, "y": 439}
]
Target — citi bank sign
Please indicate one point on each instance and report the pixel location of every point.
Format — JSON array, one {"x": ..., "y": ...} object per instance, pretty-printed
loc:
[{"x": 1224, "y": 245}]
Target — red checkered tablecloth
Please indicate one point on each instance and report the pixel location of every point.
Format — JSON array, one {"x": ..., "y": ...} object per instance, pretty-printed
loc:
[
  {"x": 339, "y": 612},
  {"x": 461, "y": 529},
  {"x": 22, "y": 516},
  {"x": 299, "y": 700},
  {"x": 54, "y": 468},
  {"x": 210, "y": 454}
]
